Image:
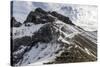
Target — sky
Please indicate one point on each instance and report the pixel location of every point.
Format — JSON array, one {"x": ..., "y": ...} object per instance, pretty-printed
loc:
[{"x": 84, "y": 16}]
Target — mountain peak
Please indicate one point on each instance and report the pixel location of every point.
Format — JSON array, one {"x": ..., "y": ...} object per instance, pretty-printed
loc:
[
  {"x": 15, "y": 23},
  {"x": 40, "y": 16},
  {"x": 40, "y": 10}
]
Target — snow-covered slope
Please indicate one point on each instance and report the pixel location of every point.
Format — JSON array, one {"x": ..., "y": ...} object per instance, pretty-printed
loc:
[
  {"x": 41, "y": 52},
  {"x": 52, "y": 42},
  {"x": 46, "y": 52},
  {"x": 25, "y": 30}
]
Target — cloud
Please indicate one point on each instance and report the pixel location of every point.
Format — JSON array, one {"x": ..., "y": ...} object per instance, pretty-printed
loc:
[{"x": 21, "y": 10}]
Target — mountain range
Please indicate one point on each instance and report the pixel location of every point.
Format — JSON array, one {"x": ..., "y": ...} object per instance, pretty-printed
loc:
[{"x": 48, "y": 37}]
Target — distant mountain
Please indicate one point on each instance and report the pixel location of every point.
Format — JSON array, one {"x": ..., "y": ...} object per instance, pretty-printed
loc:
[
  {"x": 50, "y": 38},
  {"x": 14, "y": 23}
]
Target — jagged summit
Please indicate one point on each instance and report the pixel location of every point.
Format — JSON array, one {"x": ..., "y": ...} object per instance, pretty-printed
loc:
[
  {"x": 40, "y": 10},
  {"x": 61, "y": 17},
  {"x": 41, "y": 16}
]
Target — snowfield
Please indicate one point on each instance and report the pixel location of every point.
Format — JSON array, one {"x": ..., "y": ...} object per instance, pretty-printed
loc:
[
  {"x": 25, "y": 30},
  {"x": 41, "y": 52}
]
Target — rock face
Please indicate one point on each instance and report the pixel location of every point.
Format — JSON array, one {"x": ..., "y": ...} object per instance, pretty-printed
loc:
[
  {"x": 14, "y": 23},
  {"x": 54, "y": 37},
  {"x": 42, "y": 34},
  {"x": 41, "y": 11},
  {"x": 39, "y": 16},
  {"x": 61, "y": 17}
]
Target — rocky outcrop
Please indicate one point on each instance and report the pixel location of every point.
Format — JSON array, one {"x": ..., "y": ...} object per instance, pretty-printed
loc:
[
  {"x": 61, "y": 17},
  {"x": 14, "y": 23},
  {"x": 41, "y": 11},
  {"x": 42, "y": 34}
]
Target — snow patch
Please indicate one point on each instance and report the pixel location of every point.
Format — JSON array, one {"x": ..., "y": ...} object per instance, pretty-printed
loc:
[
  {"x": 25, "y": 30},
  {"x": 40, "y": 53}
]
